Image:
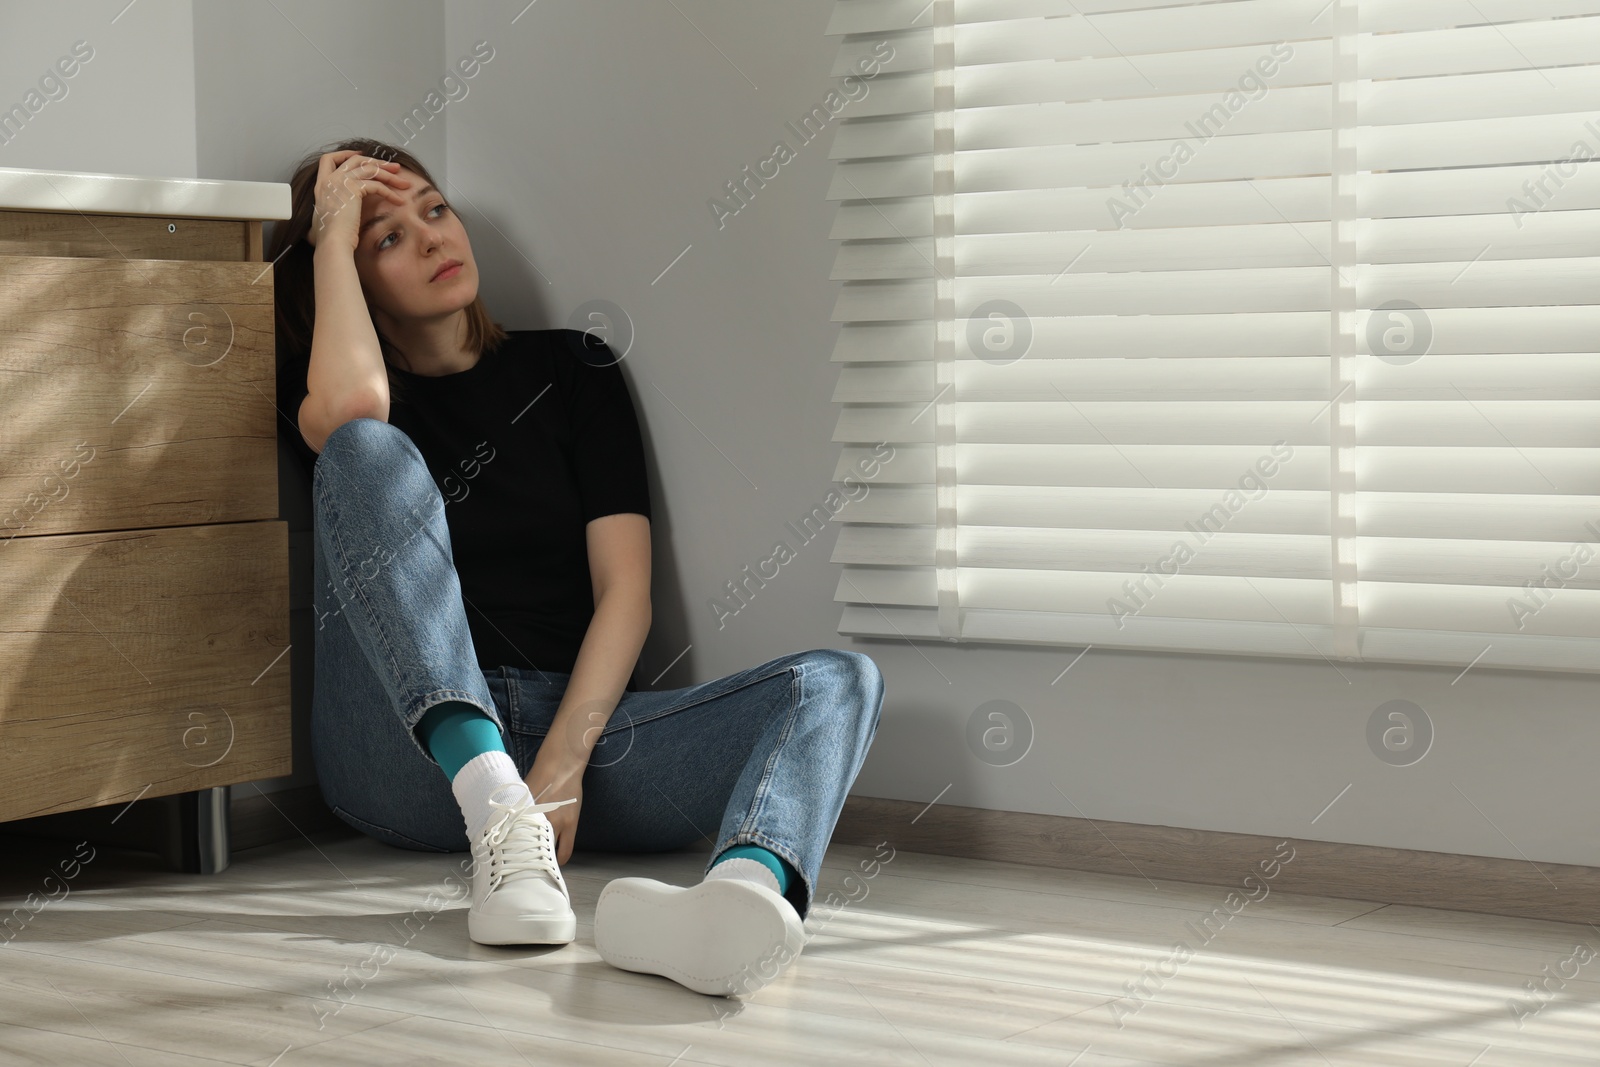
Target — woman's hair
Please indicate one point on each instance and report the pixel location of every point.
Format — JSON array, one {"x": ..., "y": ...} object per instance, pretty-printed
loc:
[{"x": 291, "y": 254}]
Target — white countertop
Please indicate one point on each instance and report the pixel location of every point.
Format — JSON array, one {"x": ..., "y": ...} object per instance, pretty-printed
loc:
[{"x": 131, "y": 194}]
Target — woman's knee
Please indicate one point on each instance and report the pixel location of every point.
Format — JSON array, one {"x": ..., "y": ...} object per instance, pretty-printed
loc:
[
  {"x": 366, "y": 440},
  {"x": 856, "y": 671},
  {"x": 376, "y": 460},
  {"x": 361, "y": 434}
]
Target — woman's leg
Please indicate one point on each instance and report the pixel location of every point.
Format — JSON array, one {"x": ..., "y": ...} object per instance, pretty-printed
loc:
[
  {"x": 391, "y": 639},
  {"x": 764, "y": 757}
]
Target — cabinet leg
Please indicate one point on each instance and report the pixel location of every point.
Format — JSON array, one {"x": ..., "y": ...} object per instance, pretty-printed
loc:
[{"x": 197, "y": 838}]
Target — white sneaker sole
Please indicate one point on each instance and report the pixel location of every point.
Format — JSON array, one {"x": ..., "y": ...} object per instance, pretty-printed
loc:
[
  {"x": 538, "y": 929},
  {"x": 723, "y": 937}
]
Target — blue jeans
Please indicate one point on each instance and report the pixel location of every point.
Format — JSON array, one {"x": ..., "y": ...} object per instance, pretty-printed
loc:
[{"x": 765, "y": 756}]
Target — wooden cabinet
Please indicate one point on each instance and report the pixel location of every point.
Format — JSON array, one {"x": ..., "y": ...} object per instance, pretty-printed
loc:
[{"x": 144, "y": 570}]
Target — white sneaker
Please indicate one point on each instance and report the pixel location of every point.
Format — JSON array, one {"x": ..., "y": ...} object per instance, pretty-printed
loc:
[
  {"x": 722, "y": 937},
  {"x": 518, "y": 894}
]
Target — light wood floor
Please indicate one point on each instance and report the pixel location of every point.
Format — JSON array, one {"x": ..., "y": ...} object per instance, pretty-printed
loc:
[{"x": 943, "y": 961}]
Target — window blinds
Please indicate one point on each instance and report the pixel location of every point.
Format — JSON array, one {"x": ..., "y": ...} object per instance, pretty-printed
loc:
[{"x": 1259, "y": 327}]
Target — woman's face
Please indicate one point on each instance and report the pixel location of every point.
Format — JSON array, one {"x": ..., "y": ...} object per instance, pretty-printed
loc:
[{"x": 399, "y": 256}]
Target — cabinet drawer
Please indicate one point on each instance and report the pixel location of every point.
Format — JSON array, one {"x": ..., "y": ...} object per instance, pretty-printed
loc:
[
  {"x": 50, "y": 233},
  {"x": 142, "y": 663},
  {"x": 134, "y": 394}
]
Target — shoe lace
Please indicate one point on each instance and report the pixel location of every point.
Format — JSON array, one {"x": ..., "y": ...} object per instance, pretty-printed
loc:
[{"x": 517, "y": 843}]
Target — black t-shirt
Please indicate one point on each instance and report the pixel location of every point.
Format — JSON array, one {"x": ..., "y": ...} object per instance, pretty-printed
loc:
[{"x": 526, "y": 447}]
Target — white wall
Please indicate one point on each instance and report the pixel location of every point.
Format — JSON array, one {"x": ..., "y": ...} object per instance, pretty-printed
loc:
[
  {"x": 129, "y": 108},
  {"x": 582, "y": 158}
]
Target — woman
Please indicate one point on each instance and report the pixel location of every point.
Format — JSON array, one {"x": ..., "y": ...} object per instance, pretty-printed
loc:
[{"x": 482, "y": 591}]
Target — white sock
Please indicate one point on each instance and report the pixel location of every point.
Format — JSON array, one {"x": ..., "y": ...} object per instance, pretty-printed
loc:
[
  {"x": 488, "y": 774},
  {"x": 746, "y": 870}
]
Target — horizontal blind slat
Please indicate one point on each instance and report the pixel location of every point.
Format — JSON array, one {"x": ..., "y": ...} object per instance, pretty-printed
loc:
[{"x": 1389, "y": 16}]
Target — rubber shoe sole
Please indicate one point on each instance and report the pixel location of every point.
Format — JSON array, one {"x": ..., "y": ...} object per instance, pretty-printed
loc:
[
  {"x": 538, "y": 929},
  {"x": 722, "y": 938}
]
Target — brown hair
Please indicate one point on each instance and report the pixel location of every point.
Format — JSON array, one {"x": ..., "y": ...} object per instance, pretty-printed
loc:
[{"x": 291, "y": 256}]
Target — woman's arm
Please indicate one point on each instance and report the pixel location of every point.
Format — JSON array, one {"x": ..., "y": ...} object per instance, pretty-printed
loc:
[
  {"x": 619, "y": 565},
  {"x": 347, "y": 378},
  {"x": 346, "y": 363}
]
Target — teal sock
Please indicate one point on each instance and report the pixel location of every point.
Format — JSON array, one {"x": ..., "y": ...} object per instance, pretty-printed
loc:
[
  {"x": 781, "y": 868},
  {"x": 455, "y": 733}
]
